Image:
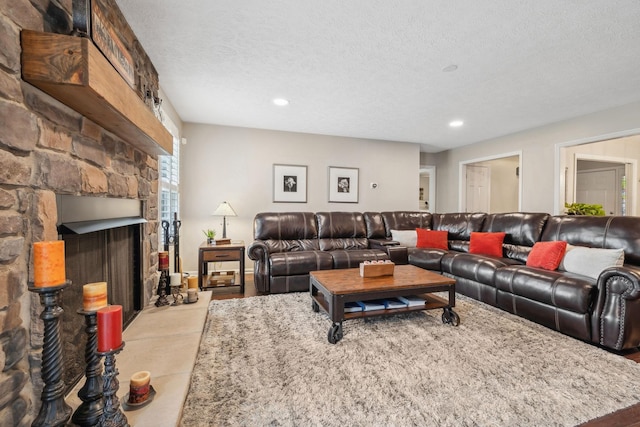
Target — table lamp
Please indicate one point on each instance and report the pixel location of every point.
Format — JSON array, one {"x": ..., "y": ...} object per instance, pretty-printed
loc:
[{"x": 224, "y": 210}]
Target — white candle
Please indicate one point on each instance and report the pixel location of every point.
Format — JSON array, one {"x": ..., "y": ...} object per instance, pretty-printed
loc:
[{"x": 175, "y": 279}]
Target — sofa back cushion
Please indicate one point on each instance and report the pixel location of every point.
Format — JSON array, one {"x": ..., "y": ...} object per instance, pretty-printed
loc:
[
  {"x": 286, "y": 231},
  {"x": 522, "y": 230},
  {"x": 375, "y": 225},
  {"x": 607, "y": 232},
  {"x": 460, "y": 226},
  {"x": 341, "y": 230},
  {"x": 406, "y": 220}
]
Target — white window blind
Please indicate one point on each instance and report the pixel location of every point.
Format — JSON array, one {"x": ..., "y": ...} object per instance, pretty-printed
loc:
[{"x": 169, "y": 182}]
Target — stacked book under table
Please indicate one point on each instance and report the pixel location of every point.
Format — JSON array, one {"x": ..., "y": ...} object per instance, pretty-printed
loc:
[{"x": 384, "y": 304}]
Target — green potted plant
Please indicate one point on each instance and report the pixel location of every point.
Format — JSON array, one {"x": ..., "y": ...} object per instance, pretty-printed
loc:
[
  {"x": 584, "y": 209},
  {"x": 211, "y": 235}
]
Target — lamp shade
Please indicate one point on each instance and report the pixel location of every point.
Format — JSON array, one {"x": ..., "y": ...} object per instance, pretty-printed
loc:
[{"x": 224, "y": 209}]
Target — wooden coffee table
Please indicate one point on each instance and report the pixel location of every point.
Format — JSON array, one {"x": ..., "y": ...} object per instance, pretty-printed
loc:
[{"x": 331, "y": 289}]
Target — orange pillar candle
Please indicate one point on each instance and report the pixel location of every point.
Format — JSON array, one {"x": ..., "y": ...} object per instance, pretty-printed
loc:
[
  {"x": 94, "y": 296},
  {"x": 109, "y": 328},
  {"x": 48, "y": 264},
  {"x": 192, "y": 282}
]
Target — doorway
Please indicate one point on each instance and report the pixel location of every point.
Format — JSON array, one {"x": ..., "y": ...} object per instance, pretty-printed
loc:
[
  {"x": 491, "y": 185},
  {"x": 602, "y": 183},
  {"x": 600, "y": 155},
  {"x": 427, "y": 195}
]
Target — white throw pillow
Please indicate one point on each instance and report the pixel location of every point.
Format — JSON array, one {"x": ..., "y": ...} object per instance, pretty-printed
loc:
[
  {"x": 591, "y": 261},
  {"x": 406, "y": 238}
]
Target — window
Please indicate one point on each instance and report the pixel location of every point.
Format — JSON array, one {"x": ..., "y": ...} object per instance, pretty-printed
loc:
[{"x": 169, "y": 183}]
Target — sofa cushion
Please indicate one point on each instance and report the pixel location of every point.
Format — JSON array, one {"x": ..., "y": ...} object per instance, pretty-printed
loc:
[
  {"x": 523, "y": 230},
  {"x": 293, "y": 263},
  {"x": 353, "y": 258},
  {"x": 459, "y": 225},
  {"x": 565, "y": 290},
  {"x": 482, "y": 243},
  {"x": 375, "y": 225},
  {"x": 547, "y": 255},
  {"x": 591, "y": 261},
  {"x": 406, "y": 220},
  {"x": 437, "y": 239},
  {"x": 406, "y": 238},
  {"x": 341, "y": 230},
  {"x": 607, "y": 232},
  {"x": 285, "y": 226},
  {"x": 471, "y": 266},
  {"x": 426, "y": 258}
]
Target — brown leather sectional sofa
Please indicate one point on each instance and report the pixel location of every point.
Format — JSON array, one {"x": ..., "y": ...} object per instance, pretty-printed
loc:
[{"x": 603, "y": 311}]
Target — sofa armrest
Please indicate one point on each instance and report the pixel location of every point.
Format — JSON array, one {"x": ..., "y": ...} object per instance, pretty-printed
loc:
[
  {"x": 259, "y": 252},
  {"x": 615, "y": 321},
  {"x": 397, "y": 253},
  {"x": 382, "y": 244}
]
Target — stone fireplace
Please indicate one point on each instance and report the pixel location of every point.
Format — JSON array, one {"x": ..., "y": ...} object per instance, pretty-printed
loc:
[{"x": 48, "y": 150}]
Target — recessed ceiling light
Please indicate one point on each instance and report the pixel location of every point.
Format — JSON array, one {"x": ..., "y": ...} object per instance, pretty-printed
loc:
[
  {"x": 456, "y": 123},
  {"x": 450, "y": 68},
  {"x": 281, "y": 102}
]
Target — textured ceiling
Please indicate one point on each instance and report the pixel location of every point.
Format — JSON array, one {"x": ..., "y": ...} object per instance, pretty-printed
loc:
[{"x": 374, "y": 68}]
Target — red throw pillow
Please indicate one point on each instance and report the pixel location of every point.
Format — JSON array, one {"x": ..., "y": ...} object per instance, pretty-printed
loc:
[
  {"x": 486, "y": 243},
  {"x": 437, "y": 239},
  {"x": 547, "y": 255}
]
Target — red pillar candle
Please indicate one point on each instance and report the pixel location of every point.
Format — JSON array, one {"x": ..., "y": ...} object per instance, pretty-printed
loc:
[
  {"x": 163, "y": 260},
  {"x": 48, "y": 264},
  {"x": 109, "y": 328}
]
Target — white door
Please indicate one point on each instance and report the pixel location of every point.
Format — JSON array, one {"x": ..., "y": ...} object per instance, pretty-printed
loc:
[
  {"x": 478, "y": 188},
  {"x": 602, "y": 187}
]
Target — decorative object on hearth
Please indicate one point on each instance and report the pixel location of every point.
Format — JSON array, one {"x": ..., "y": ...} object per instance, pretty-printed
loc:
[
  {"x": 192, "y": 296},
  {"x": 175, "y": 283},
  {"x": 90, "y": 410},
  {"x": 343, "y": 185},
  {"x": 224, "y": 210},
  {"x": 109, "y": 344},
  {"x": 163, "y": 265},
  {"x": 289, "y": 183},
  {"x": 49, "y": 281},
  {"x": 94, "y": 296},
  {"x": 139, "y": 388}
]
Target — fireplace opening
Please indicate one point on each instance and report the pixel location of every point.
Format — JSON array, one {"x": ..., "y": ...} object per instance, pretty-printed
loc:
[{"x": 97, "y": 250}]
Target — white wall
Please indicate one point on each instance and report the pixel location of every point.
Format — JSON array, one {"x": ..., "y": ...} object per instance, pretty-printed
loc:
[
  {"x": 538, "y": 147},
  {"x": 236, "y": 164}
]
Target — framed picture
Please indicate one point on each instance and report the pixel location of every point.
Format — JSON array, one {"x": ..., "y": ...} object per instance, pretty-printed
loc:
[
  {"x": 289, "y": 183},
  {"x": 343, "y": 185}
]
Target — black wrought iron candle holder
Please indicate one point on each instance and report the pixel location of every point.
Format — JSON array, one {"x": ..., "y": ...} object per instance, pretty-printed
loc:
[
  {"x": 177, "y": 295},
  {"x": 90, "y": 410},
  {"x": 112, "y": 415},
  {"x": 163, "y": 284},
  {"x": 54, "y": 411}
]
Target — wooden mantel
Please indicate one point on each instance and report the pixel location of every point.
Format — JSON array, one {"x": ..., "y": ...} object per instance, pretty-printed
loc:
[{"x": 73, "y": 71}]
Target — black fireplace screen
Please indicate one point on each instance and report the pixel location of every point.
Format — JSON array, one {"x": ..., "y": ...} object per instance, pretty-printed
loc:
[{"x": 111, "y": 256}]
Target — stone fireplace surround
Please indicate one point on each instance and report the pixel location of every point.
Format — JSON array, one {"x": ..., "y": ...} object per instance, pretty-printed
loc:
[{"x": 47, "y": 149}]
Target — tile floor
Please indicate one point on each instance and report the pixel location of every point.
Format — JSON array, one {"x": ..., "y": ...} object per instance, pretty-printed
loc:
[{"x": 163, "y": 341}]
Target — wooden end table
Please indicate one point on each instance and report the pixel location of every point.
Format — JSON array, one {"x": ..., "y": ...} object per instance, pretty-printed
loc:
[
  {"x": 331, "y": 289},
  {"x": 220, "y": 253}
]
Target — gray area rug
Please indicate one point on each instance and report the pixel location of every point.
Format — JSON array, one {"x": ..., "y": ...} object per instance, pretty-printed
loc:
[{"x": 265, "y": 361}]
